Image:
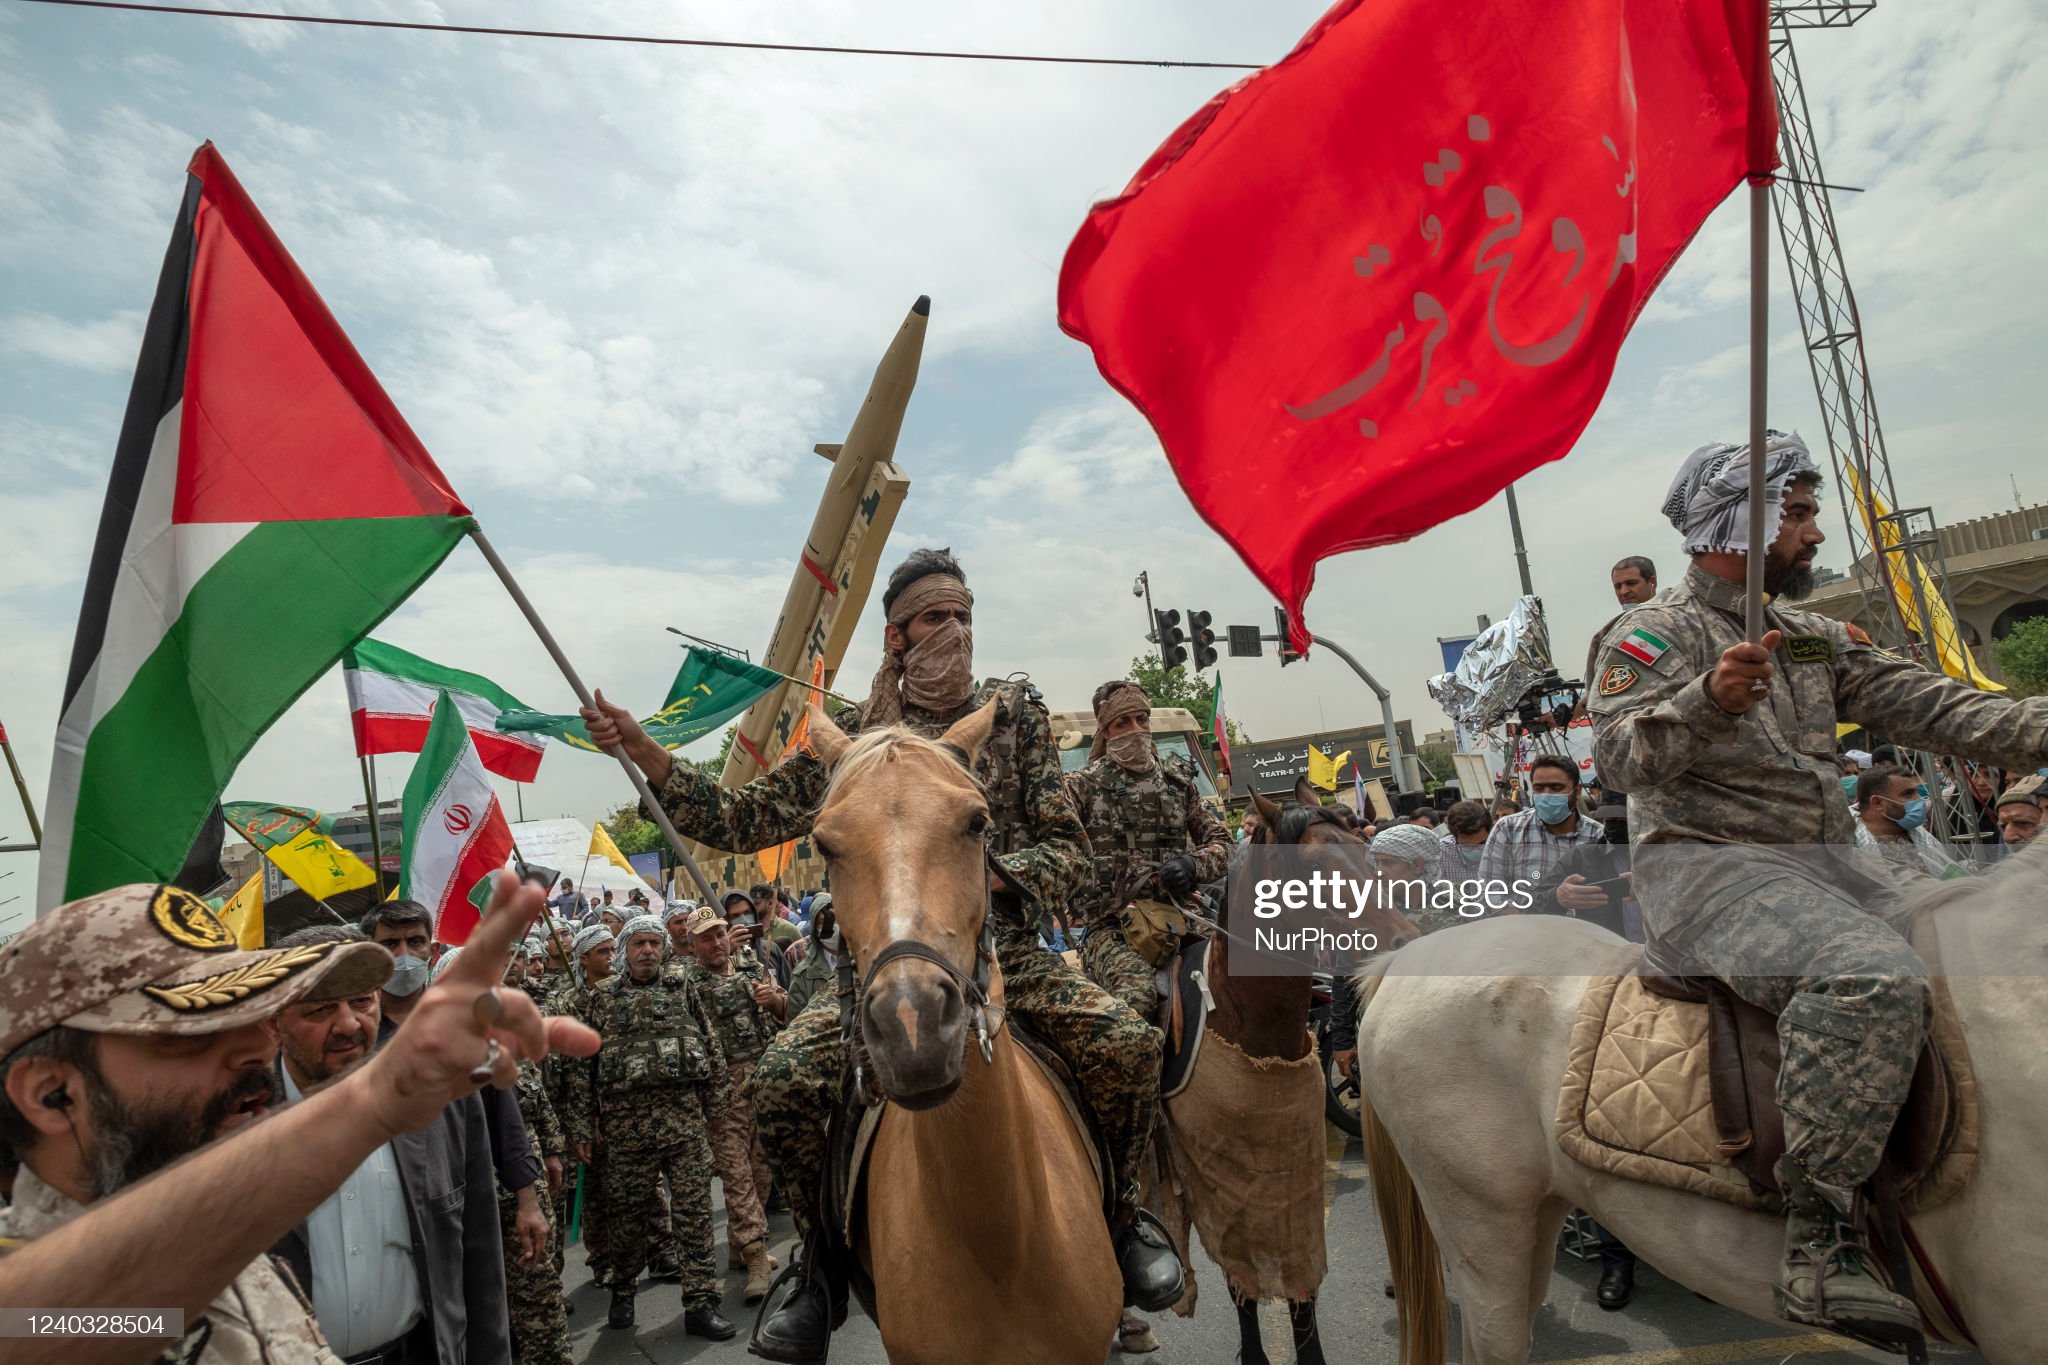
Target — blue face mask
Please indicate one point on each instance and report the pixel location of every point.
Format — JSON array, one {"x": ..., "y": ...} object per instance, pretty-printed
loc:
[
  {"x": 1849, "y": 787},
  {"x": 1915, "y": 814},
  {"x": 1552, "y": 808}
]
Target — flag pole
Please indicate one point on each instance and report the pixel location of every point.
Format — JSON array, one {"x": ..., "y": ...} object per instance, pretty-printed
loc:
[
  {"x": 546, "y": 911},
  {"x": 28, "y": 805},
  {"x": 376, "y": 835},
  {"x": 575, "y": 682},
  {"x": 1759, "y": 335}
]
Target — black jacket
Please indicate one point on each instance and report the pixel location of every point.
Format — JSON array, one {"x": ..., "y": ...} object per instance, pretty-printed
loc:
[
  {"x": 458, "y": 1245},
  {"x": 1596, "y": 863}
]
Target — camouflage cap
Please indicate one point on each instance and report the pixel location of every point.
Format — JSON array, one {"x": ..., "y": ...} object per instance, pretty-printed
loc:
[
  {"x": 703, "y": 920},
  {"x": 155, "y": 959},
  {"x": 2028, "y": 789}
]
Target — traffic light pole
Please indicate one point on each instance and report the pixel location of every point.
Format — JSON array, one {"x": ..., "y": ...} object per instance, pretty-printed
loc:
[{"x": 1395, "y": 757}]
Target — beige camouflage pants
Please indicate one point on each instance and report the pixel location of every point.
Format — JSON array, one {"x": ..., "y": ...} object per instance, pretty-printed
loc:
[
  {"x": 736, "y": 1148},
  {"x": 1113, "y": 964}
]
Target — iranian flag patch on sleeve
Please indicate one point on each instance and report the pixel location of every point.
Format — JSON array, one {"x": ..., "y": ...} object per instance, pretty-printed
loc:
[{"x": 1642, "y": 646}]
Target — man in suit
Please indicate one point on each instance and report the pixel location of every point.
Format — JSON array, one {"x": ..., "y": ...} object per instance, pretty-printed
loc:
[{"x": 405, "y": 1262}]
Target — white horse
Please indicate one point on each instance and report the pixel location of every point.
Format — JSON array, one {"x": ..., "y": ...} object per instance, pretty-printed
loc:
[{"x": 1462, "y": 1051}]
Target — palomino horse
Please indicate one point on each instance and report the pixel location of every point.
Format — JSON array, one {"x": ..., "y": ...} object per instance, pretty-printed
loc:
[
  {"x": 1261, "y": 1023},
  {"x": 1462, "y": 1051},
  {"x": 983, "y": 1230}
]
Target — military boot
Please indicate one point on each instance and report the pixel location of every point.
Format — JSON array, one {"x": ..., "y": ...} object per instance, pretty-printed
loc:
[
  {"x": 1827, "y": 1279},
  {"x": 621, "y": 1314},
  {"x": 1151, "y": 1269},
  {"x": 798, "y": 1330},
  {"x": 760, "y": 1271}
]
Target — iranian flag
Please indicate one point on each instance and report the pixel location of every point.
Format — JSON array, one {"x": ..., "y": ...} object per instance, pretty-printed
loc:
[
  {"x": 455, "y": 830},
  {"x": 1219, "y": 726},
  {"x": 268, "y": 506},
  {"x": 391, "y": 696}
]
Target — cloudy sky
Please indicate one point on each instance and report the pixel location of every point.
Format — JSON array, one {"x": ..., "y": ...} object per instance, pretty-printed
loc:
[{"x": 621, "y": 291}]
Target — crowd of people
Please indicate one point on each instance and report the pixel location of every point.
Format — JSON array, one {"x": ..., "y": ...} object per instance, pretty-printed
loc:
[{"x": 453, "y": 1116}]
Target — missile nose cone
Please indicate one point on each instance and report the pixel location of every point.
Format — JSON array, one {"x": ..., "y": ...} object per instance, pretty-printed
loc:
[{"x": 923, "y": 306}]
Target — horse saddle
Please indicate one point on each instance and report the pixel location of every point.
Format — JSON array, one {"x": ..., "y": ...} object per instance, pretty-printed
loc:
[
  {"x": 851, "y": 1136},
  {"x": 1673, "y": 1079},
  {"x": 1184, "y": 1005}
]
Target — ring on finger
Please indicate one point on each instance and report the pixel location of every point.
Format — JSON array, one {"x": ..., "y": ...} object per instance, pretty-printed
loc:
[{"x": 481, "y": 1073}]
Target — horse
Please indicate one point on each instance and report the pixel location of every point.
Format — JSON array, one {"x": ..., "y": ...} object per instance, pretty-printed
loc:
[
  {"x": 1462, "y": 1050},
  {"x": 982, "y": 1229},
  {"x": 1259, "y": 1026}
]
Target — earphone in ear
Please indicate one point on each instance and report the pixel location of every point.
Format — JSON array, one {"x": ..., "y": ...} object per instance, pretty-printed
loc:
[{"x": 59, "y": 1098}]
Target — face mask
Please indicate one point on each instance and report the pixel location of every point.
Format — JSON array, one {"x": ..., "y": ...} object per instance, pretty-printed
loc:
[
  {"x": 1552, "y": 808},
  {"x": 938, "y": 671},
  {"x": 1914, "y": 815},
  {"x": 408, "y": 975},
  {"x": 1133, "y": 751},
  {"x": 1849, "y": 787},
  {"x": 1470, "y": 854}
]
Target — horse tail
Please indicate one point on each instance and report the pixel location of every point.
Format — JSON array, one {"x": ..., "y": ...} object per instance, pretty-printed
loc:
[{"x": 1412, "y": 1255}]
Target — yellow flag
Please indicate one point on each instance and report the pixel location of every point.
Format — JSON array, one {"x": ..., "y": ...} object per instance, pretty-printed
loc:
[
  {"x": 319, "y": 866},
  {"x": 1322, "y": 769},
  {"x": 601, "y": 846},
  {"x": 1955, "y": 657},
  {"x": 243, "y": 914}
]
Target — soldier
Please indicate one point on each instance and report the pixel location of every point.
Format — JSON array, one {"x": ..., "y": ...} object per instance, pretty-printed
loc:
[
  {"x": 641, "y": 1110},
  {"x": 1151, "y": 833},
  {"x": 1038, "y": 858},
  {"x": 533, "y": 1286},
  {"x": 746, "y": 1007},
  {"x": 1723, "y": 742},
  {"x": 130, "y": 1034},
  {"x": 590, "y": 963}
]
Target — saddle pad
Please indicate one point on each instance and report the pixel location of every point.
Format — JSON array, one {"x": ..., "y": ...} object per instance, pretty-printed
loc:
[
  {"x": 1185, "y": 1009},
  {"x": 1636, "y": 1099}
]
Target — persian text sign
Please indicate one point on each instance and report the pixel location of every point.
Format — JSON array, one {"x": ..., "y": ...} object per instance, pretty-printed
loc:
[{"x": 1364, "y": 290}]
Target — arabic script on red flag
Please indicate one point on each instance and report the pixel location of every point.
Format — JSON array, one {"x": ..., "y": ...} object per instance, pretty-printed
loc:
[{"x": 1362, "y": 291}]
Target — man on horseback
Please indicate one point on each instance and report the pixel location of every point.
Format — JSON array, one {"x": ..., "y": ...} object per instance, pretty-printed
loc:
[
  {"x": 1039, "y": 855},
  {"x": 1150, "y": 831},
  {"x": 1723, "y": 742}
]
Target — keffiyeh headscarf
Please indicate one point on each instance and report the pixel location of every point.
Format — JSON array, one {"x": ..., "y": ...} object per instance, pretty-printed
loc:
[
  {"x": 594, "y": 936},
  {"x": 1709, "y": 500},
  {"x": 644, "y": 924},
  {"x": 1122, "y": 699},
  {"x": 937, "y": 673},
  {"x": 1414, "y": 843}
]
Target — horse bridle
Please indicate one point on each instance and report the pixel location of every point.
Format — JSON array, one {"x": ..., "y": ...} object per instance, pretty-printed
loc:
[{"x": 974, "y": 988}]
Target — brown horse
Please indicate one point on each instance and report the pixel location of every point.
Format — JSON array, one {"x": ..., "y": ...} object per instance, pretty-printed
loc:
[
  {"x": 983, "y": 1230},
  {"x": 1257, "y": 1094}
]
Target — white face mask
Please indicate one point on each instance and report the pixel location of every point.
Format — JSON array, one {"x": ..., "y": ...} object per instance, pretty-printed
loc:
[{"x": 408, "y": 975}]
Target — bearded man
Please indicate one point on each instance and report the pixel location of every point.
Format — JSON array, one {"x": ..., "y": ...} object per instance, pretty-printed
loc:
[
  {"x": 1038, "y": 858},
  {"x": 132, "y": 1032},
  {"x": 1727, "y": 751},
  {"x": 1152, "y": 836}
]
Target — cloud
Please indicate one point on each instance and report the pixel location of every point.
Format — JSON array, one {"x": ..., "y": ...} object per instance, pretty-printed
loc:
[{"x": 108, "y": 345}]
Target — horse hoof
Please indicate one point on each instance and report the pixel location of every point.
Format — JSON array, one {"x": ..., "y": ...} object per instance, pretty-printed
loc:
[{"x": 1134, "y": 1336}]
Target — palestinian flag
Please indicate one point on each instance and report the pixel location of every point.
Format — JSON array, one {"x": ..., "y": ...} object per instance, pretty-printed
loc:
[
  {"x": 268, "y": 507},
  {"x": 455, "y": 830},
  {"x": 391, "y": 698}
]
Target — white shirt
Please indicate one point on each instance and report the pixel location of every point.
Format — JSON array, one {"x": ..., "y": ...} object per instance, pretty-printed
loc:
[{"x": 366, "y": 1290}]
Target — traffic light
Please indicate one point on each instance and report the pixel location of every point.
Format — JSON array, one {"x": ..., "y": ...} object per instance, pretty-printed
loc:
[
  {"x": 1204, "y": 639},
  {"x": 1287, "y": 654},
  {"x": 1173, "y": 641}
]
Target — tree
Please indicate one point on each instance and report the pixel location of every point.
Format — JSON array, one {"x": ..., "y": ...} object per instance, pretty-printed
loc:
[
  {"x": 633, "y": 832},
  {"x": 1181, "y": 687},
  {"x": 1437, "y": 759},
  {"x": 2023, "y": 655}
]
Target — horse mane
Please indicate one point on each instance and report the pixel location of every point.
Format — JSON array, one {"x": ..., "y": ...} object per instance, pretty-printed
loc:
[
  {"x": 872, "y": 747},
  {"x": 2015, "y": 875},
  {"x": 1297, "y": 820}
]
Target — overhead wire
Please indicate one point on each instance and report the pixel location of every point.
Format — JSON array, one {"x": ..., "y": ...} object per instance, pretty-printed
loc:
[{"x": 643, "y": 39}]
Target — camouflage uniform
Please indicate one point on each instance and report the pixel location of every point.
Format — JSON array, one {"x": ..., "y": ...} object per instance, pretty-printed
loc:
[
  {"x": 540, "y": 1325},
  {"x": 571, "y": 999},
  {"x": 744, "y": 1030},
  {"x": 1786, "y": 932},
  {"x": 262, "y": 1317},
  {"x": 1135, "y": 821},
  {"x": 656, "y": 1080},
  {"x": 1041, "y": 850}
]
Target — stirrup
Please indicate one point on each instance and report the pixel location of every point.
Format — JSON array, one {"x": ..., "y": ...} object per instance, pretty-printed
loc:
[{"x": 776, "y": 1299}]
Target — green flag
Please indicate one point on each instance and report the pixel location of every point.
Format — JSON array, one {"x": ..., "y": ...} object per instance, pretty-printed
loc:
[{"x": 711, "y": 689}]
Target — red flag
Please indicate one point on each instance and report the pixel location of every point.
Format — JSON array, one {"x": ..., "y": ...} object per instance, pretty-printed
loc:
[{"x": 1362, "y": 291}]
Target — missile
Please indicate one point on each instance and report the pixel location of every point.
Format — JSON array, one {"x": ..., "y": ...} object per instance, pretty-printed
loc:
[{"x": 836, "y": 567}]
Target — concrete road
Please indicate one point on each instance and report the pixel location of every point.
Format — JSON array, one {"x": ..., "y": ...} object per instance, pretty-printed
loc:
[{"x": 1665, "y": 1325}]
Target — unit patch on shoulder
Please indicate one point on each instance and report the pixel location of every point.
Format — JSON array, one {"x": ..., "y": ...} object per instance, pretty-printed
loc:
[
  {"x": 1618, "y": 678},
  {"x": 187, "y": 920},
  {"x": 1857, "y": 633},
  {"x": 1810, "y": 649}
]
